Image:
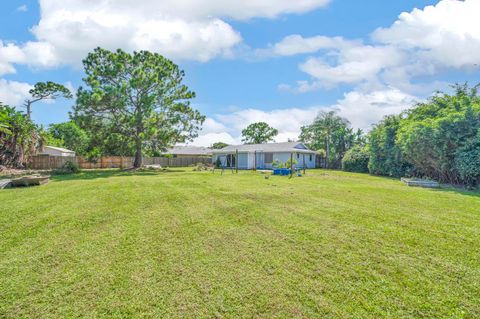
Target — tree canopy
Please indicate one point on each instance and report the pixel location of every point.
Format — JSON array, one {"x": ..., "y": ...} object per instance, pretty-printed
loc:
[
  {"x": 46, "y": 91},
  {"x": 332, "y": 134},
  {"x": 137, "y": 99},
  {"x": 19, "y": 137},
  {"x": 219, "y": 145},
  {"x": 258, "y": 133},
  {"x": 437, "y": 139}
]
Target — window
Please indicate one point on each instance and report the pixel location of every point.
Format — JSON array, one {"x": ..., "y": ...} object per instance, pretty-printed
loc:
[
  {"x": 268, "y": 158},
  {"x": 311, "y": 157},
  {"x": 298, "y": 155}
]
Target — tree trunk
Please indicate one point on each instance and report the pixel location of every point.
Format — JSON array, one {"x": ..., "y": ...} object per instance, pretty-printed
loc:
[
  {"x": 138, "y": 154},
  {"x": 29, "y": 110},
  {"x": 327, "y": 153}
]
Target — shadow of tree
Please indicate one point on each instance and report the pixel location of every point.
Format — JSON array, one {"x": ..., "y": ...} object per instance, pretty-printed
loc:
[{"x": 108, "y": 173}]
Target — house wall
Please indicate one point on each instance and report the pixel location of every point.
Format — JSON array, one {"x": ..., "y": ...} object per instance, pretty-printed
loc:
[
  {"x": 247, "y": 160},
  {"x": 243, "y": 160}
]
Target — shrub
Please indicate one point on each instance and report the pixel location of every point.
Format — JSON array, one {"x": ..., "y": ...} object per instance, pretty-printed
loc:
[
  {"x": 356, "y": 160},
  {"x": 218, "y": 163},
  {"x": 467, "y": 164},
  {"x": 70, "y": 167},
  {"x": 93, "y": 156},
  {"x": 201, "y": 167}
]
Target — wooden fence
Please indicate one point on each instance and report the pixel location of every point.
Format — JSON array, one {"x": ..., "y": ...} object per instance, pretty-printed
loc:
[{"x": 53, "y": 162}]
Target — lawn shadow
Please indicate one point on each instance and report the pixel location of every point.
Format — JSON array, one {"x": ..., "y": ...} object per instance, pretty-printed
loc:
[
  {"x": 458, "y": 190},
  {"x": 108, "y": 173}
]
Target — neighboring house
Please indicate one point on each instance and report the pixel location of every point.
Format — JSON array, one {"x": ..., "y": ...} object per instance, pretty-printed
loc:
[
  {"x": 261, "y": 156},
  {"x": 189, "y": 151},
  {"x": 56, "y": 151}
]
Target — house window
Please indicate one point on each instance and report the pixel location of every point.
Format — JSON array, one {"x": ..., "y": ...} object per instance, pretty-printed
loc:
[
  {"x": 298, "y": 155},
  {"x": 268, "y": 158},
  {"x": 311, "y": 157}
]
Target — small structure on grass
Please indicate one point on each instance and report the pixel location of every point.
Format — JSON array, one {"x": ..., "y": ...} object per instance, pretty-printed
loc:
[{"x": 420, "y": 182}]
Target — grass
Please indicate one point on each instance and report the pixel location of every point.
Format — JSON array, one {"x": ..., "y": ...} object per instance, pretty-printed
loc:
[{"x": 200, "y": 245}]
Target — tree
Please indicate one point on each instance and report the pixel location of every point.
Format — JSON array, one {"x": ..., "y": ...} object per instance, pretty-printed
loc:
[
  {"x": 71, "y": 136},
  {"x": 356, "y": 159},
  {"x": 331, "y": 133},
  {"x": 19, "y": 137},
  {"x": 258, "y": 133},
  {"x": 140, "y": 97},
  {"x": 386, "y": 157},
  {"x": 219, "y": 145},
  {"x": 46, "y": 91}
]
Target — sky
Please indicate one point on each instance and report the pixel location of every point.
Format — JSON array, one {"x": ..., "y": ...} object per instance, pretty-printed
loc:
[{"x": 278, "y": 61}]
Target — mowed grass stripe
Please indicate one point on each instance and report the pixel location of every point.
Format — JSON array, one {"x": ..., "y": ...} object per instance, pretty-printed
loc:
[{"x": 196, "y": 244}]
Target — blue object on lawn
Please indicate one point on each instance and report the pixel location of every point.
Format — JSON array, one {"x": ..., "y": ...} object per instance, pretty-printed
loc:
[{"x": 281, "y": 171}]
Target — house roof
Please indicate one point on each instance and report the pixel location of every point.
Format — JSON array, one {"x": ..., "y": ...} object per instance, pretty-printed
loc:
[
  {"x": 60, "y": 149},
  {"x": 288, "y": 147},
  {"x": 189, "y": 150}
]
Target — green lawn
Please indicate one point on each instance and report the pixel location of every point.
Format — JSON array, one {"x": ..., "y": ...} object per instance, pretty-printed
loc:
[{"x": 200, "y": 245}]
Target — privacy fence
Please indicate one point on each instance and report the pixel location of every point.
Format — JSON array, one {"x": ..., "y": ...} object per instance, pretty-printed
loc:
[{"x": 53, "y": 162}]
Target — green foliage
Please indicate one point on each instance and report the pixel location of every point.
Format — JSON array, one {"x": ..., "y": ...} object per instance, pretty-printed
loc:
[
  {"x": 276, "y": 163},
  {"x": 438, "y": 139},
  {"x": 356, "y": 159},
  {"x": 385, "y": 155},
  {"x": 467, "y": 162},
  {"x": 70, "y": 167},
  {"x": 219, "y": 145},
  {"x": 71, "y": 136},
  {"x": 331, "y": 134},
  {"x": 46, "y": 91},
  {"x": 136, "y": 102},
  {"x": 218, "y": 163},
  {"x": 93, "y": 155},
  {"x": 289, "y": 163},
  {"x": 19, "y": 137},
  {"x": 258, "y": 133}
]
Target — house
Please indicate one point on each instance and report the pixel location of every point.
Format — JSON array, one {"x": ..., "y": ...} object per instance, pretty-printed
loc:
[
  {"x": 56, "y": 151},
  {"x": 262, "y": 156},
  {"x": 189, "y": 151}
]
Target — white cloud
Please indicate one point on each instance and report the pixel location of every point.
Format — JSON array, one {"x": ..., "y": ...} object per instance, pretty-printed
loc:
[
  {"x": 22, "y": 8},
  {"x": 363, "y": 109},
  {"x": 447, "y": 34},
  {"x": 227, "y": 127},
  {"x": 178, "y": 29},
  {"x": 296, "y": 44},
  {"x": 13, "y": 93},
  {"x": 10, "y": 54}
]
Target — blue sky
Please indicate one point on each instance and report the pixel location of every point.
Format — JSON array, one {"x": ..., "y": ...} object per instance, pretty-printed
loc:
[{"x": 274, "y": 60}]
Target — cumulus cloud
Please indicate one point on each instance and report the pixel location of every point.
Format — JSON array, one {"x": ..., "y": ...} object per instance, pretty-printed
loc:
[
  {"x": 179, "y": 29},
  {"x": 296, "y": 44},
  {"x": 361, "y": 108},
  {"x": 420, "y": 43},
  {"x": 22, "y": 8},
  {"x": 13, "y": 93},
  {"x": 227, "y": 127},
  {"x": 447, "y": 34}
]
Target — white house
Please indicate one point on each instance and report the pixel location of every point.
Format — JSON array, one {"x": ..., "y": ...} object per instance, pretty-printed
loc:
[
  {"x": 261, "y": 156},
  {"x": 56, "y": 151}
]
